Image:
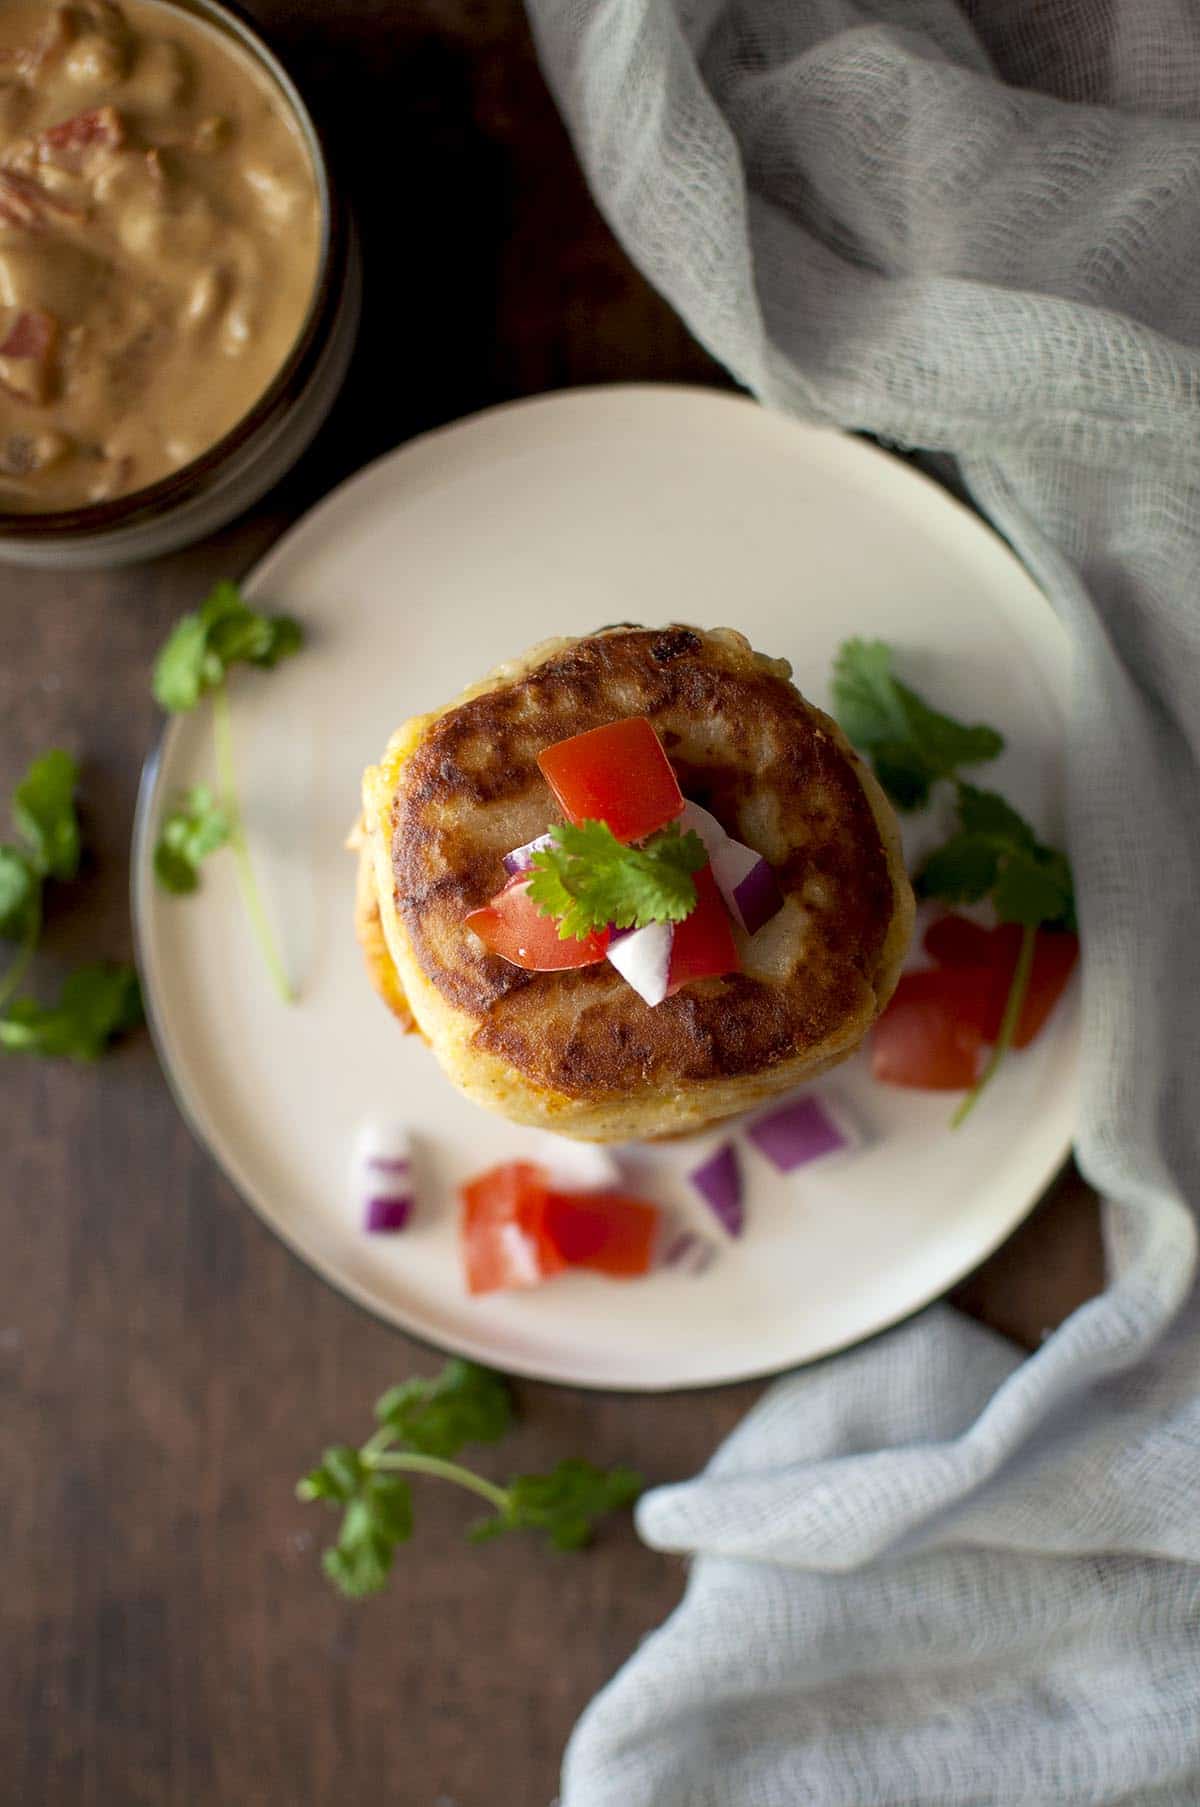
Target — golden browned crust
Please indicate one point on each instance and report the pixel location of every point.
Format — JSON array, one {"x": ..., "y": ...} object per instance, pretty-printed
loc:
[
  {"x": 368, "y": 927},
  {"x": 777, "y": 773}
]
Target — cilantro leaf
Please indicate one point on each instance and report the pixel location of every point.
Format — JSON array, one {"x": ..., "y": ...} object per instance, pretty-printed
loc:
[
  {"x": 96, "y": 1004},
  {"x": 564, "y": 1504},
  {"x": 996, "y": 853},
  {"x": 911, "y": 745},
  {"x": 193, "y": 829},
  {"x": 988, "y": 813},
  {"x": 20, "y": 894},
  {"x": 185, "y": 668},
  {"x": 464, "y": 1404},
  {"x": 44, "y": 812},
  {"x": 589, "y": 880},
  {"x": 1035, "y": 889},
  {"x": 963, "y": 870},
  {"x": 421, "y": 1423},
  {"x": 224, "y": 631}
]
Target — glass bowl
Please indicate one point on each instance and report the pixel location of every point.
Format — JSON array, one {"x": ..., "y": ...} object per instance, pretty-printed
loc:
[{"x": 232, "y": 474}]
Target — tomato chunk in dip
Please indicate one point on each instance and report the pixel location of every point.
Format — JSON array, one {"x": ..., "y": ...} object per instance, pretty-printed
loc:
[{"x": 159, "y": 245}]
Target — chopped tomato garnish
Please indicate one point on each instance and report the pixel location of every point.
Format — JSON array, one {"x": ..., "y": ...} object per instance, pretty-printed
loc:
[
  {"x": 702, "y": 945},
  {"x": 503, "y": 1233},
  {"x": 957, "y": 941},
  {"x": 617, "y": 774},
  {"x": 931, "y": 1034},
  {"x": 516, "y": 1232},
  {"x": 954, "y": 942},
  {"x": 27, "y": 342},
  {"x": 513, "y": 927},
  {"x": 603, "y": 1231},
  {"x": 65, "y": 145}
]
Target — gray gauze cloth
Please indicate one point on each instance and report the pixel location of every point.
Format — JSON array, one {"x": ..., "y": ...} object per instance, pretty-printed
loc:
[{"x": 931, "y": 1571}]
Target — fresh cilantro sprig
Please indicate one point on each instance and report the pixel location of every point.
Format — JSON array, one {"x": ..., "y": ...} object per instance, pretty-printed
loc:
[
  {"x": 193, "y": 665},
  {"x": 589, "y": 880},
  {"x": 96, "y": 1003},
  {"x": 996, "y": 854},
  {"x": 193, "y": 829},
  {"x": 423, "y": 1425},
  {"x": 911, "y": 745},
  {"x": 993, "y": 853},
  {"x": 43, "y": 810}
]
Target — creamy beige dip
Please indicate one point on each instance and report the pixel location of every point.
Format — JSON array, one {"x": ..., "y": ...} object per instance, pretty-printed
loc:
[{"x": 159, "y": 242}]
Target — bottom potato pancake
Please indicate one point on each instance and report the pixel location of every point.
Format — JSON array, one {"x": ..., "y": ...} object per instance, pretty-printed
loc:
[{"x": 579, "y": 1052}]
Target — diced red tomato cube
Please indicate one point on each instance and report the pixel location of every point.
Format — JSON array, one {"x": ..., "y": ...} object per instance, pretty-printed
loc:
[
  {"x": 512, "y": 926},
  {"x": 930, "y": 1036},
  {"x": 603, "y": 1231},
  {"x": 702, "y": 945},
  {"x": 957, "y": 941},
  {"x": 618, "y": 774},
  {"x": 503, "y": 1230},
  {"x": 28, "y": 339},
  {"x": 954, "y": 941},
  {"x": 65, "y": 145}
]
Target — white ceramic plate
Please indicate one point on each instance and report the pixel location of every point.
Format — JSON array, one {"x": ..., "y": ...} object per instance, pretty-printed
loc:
[{"x": 556, "y": 516}]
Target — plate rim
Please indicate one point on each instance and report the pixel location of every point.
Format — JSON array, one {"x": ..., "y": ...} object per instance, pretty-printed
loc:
[{"x": 141, "y": 862}]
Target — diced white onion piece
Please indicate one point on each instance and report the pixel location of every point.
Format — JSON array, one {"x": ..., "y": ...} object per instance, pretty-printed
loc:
[
  {"x": 703, "y": 823},
  {"x": 643, "y": 959},
  {"x": 575, "y": 1166}
]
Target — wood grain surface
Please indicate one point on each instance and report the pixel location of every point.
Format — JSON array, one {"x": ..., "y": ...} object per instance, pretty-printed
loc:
[{"x": 166, "y": 1368}]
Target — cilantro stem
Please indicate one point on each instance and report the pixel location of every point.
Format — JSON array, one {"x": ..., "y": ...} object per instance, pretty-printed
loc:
[
  {"x": 412, "y": 1463},
  {"x": 251, "y": 895},
  {"x": 20, "y": 966},
  {"x": 1008, "y": 1024}
]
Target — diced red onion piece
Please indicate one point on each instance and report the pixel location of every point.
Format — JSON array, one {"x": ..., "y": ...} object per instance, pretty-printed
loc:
[
  {"x": 576, "y": 1166},
  {"x": 387, "y": 1213},
  {"x": 744, "y": 878},
  {"x": 383, "y": 1177},
  {"x": 521, "y": 858},
  {"x": 686, "y": 1252},
  {"x": 758, "y": 898},
  {"x": 719, "y": 1182},
  {"x": 802, "y": 1130},
  {"x": 643, "y": 959}
]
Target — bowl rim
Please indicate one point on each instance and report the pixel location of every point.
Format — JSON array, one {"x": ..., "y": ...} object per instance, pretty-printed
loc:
[{"x": 157, "y": 498}]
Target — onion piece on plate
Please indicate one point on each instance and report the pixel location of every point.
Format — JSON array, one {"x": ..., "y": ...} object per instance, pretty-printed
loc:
[
  {"x": 383, "y": 1177},
  {"x": 682, "y": 1250},
  {"x": 803, "y": 1130},
  {"x": 718, "y": 1180},
  {"x": 575, "y": 1166}
]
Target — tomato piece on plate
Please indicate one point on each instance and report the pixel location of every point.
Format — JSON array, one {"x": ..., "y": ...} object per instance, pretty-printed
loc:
[
  {"x": 931, "y": 1035},
  {"x": 1054, "y": 955},
  {"x": 957, "y": 941},
  {"x": 954, "y": 942},
  {"x": 617, "y": 774},
  {"x": 503, "y": 1229},
  {"x": 702, "y": 946},
  {"x": 513, "y": 927},
  {"x": 603, "y": 1231}
]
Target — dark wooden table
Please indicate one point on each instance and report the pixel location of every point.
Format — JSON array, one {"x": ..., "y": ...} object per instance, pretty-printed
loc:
[{"x": 166, "y": 1368}]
